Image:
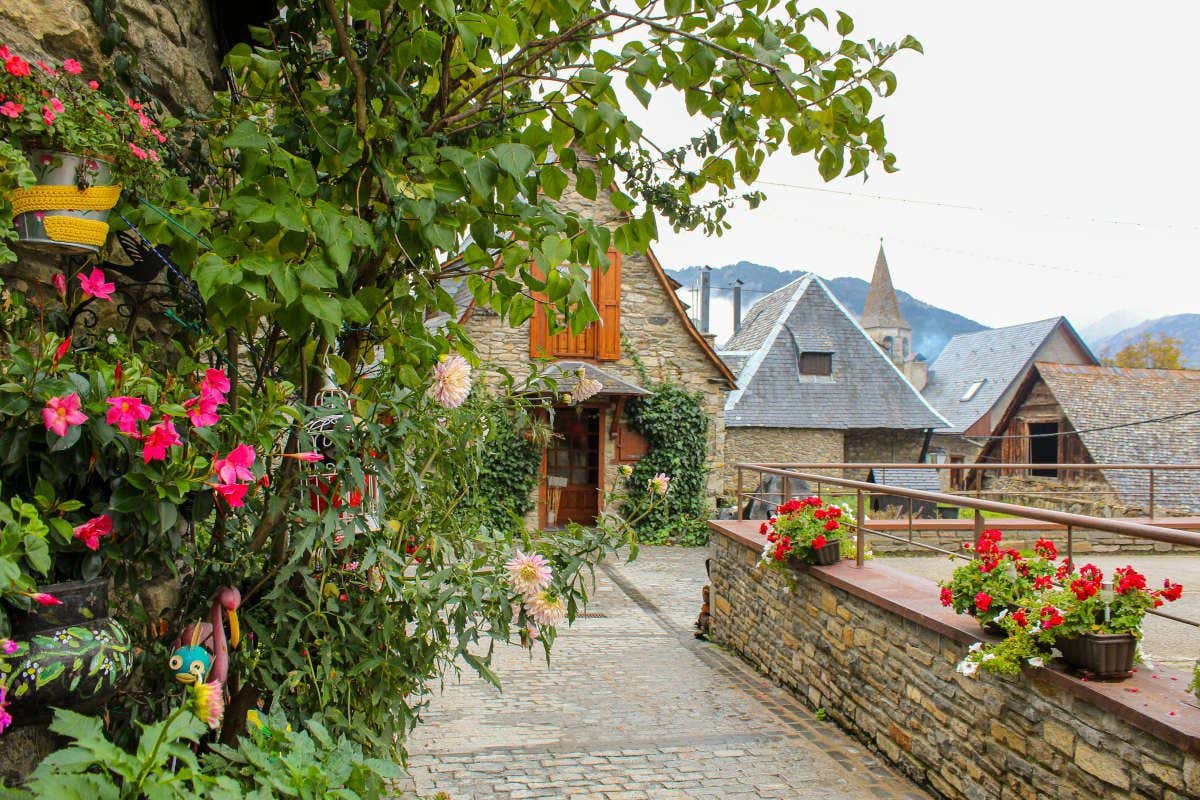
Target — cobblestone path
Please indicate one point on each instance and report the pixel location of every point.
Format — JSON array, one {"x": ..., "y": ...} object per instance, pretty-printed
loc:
[{"x": 632, "y": 706}]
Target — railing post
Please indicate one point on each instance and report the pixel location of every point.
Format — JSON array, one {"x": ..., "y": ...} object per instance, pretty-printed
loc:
[
  {"x": 860, "y": 520},
  {"x": 1151, "y": 493},
  {"x": 910, "y": 520},
  {"x": 741, "y": 496},
  {"x": 978, "y": 528},
  {"x": 785, "y": 487},
  {"x": 1070, "y": 549}
]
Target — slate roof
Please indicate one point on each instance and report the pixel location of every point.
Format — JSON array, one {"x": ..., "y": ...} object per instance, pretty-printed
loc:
[
  {"x": 923, "y": 480},
  {"x": 1102, "y": 397},
  {"x": 882, "y": 308},
  {"x": 997, "y": 356},
  {"x": 864, "y": 391}
]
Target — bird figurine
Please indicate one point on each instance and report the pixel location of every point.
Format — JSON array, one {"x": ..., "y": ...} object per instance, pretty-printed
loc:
[{"x": 201, "y": 652}]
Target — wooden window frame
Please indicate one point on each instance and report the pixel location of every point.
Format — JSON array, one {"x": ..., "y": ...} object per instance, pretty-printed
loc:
[
  {"x": 827, "y": 355},
  {"x": 599, "y": 341}
]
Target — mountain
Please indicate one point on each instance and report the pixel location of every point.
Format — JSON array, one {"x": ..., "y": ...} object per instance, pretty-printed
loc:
[
  {"x": 1185, "y": 327},
  {"x": 1111, "y": 324},
  {"x": 932, "y": 326}
]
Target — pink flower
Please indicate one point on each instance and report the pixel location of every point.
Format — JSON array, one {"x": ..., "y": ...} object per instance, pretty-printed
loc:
[
  {"x": 17, "y": 66},
  {"x": 546, "y": 608},
  {"x": 5, "y": 717},
  {"x": 145, "y": 121},
  {"x": 451, "y": 381},
  {"x": 202, "y": 410},
  {"x": 235, "y": 466},
  {"x": 94, "y": 285},
  {"x": 11, "y": 109},
  {"x": 137, "y": 151},
  {"x": 57, "y": 105},
  {"x": 233, "y": 493},
  {"x": 161, "y": 436},
  {"x": 153, "y": 154},
  {"x": 208, "y": 702},
  {"x": 528, "y": 573},
  {"x": 8, "y": 646},
  {"x": 48, "y": 116},
  {"x": 93, "y": 530},
  {"x": 215, "y": 380},
  {"x": 72, "y": 66},
  {"x": 162, "y": 139},
  {"x": 46, "y": 68},
  {"x": 126, "y": 413},
  {"x": 60, "y": 285},
  {"x": 352, "y": 566},
  {"x": 43, "y": 599},
  {"x": 311, "y": 456},
  {"x": 134, "y": 104},
  {"x": 93, "y": 85},
  {"x": 61, "y": 413},
  {"x": 62, "y": 350}
]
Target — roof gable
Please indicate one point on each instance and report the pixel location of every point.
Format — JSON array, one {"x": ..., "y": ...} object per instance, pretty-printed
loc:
[
  {"x": 864, "y": 391},
  {"x": 998, "y": 357}
]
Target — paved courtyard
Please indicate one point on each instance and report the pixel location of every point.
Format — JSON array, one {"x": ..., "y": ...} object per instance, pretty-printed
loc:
[{"x": 632, "y": 706}]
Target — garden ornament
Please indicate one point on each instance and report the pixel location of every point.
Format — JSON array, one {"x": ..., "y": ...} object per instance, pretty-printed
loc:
[{"x": 201, "y": 653}]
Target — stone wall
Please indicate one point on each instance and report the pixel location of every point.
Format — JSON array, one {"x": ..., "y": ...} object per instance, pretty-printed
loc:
[
  {"x": 887, "y": 676},
  {"x": 653, "y": 329},
  {"x": 779, "y": 446},
  {"x": 882, "y": 446},
  {"x": 174, "y": 42}
]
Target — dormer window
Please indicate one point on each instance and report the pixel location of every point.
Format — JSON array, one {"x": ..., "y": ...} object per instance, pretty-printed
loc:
[
  {"x": 972, "y": 390},
  {"x": 816, "y": 363}
]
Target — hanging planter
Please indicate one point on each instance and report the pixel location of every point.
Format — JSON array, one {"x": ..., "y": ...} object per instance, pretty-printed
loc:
[
  {"x": 57, "y": 214},
  {"x": 68, "y": 656}
]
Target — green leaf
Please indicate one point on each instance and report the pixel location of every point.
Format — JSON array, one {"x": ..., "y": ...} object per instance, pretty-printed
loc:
[
  {"x": 246, "y": 136},
  {"x": 482, "y": 174},
  {"x": 323, "y": 308},
  {"x": 515, "y": 159}
]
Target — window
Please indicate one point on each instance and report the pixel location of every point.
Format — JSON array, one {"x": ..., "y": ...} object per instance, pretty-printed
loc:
[
  {"x": 1043, "y": 447},
  {"x": 972, "y": 390},
  {"x": 816, "y": 363},
  {"x": 600, "y": 340}
]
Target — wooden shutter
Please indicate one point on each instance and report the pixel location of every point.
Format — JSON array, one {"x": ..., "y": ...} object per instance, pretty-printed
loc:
[
  {"x": 538, "y": 328},
  {"x": 608, "y": 303}
]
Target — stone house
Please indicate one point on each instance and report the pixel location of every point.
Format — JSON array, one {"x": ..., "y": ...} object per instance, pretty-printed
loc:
[
  {"x": 973, "y": 381},
  {"x": 1087, "y": 414},
  {"x": 813, "y": 386},
  {"x": 642, "y": 321}
]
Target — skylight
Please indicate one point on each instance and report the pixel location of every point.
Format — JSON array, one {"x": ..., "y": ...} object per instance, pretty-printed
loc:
[{"x": 972, "y": 390}]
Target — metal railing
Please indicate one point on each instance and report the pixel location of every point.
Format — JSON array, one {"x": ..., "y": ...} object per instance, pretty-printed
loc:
[
  {"x": 973, "y": 476},
  {"x": 1065, "y": 520}
]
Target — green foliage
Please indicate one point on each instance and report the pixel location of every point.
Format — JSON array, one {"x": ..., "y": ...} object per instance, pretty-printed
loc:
[
  {"x": 24, "y": 548},
  {"x": 675, "y": 425},
  {"x": 508, "y": 475},
  {"x": 271, "y": 761},
  {"x": 999, "y": 579}
]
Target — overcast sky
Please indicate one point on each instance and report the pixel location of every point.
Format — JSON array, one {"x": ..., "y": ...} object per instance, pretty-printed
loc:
[{"x": 1053, "y": 117}]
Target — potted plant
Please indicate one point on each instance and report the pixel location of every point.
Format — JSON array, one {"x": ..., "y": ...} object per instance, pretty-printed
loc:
[
  {"x": 81, "y": 144},
  {"x": 991, "y": 584},
  {"x": 1093, "y": 624},
  {"x": 806, "y": 531}
]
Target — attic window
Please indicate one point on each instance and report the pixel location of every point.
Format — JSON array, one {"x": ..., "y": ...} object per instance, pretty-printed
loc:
[
  {"x": 972, "y": 390},
  {"x": 816, "y": 363}
]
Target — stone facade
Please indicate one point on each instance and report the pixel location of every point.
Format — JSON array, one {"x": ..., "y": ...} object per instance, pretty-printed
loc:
[
  {"x": 652, "y": 329},
  {"x": 882, "y": 446},
  {"x": 779, "y": 446},
  {"x": 890, "y": 681},
  {"x": 175, "y": 43}
]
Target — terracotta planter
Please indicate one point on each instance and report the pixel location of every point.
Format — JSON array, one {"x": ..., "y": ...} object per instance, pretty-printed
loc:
[
  {"x": 1105, "y": 655},
  {"x": 56, "y": 214},
  {"x": 69, "y": 656}
]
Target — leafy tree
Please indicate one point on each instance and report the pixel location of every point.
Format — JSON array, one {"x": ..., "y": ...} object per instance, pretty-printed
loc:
[{"x": 1157, "y": 352}]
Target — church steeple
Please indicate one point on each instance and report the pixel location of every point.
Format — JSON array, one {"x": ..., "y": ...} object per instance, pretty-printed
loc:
[{"x": 882, "y": 309}]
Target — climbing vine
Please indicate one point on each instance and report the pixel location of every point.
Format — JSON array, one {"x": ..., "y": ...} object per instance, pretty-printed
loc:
[
  {"x": 675, "y": 425},
  {"x": 509, "y": 473}
]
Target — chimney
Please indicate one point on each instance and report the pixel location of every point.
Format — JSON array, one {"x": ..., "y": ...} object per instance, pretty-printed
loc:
[
  {"x": 737, "y": 305},
  {"x": 705, "y": 292}
]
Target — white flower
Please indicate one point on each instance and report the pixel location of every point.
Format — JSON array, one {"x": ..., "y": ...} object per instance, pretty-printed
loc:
[
  {"x": 660, "y": 483},
  {"x": 1036, "y": 661},
  {"x": 528, "y": 573},
  {"x": 546, "y": 608},
  {"x": 1035, "y": 629},
  {"x": 1055, "y": 652},
  {"x": 967, "y": 667},
  {"x": 975, "y": 648},
  {"x": 451, "y": 381},
  {"x": 1001, "y": 615},
  {"x": 987, "y": 657}
]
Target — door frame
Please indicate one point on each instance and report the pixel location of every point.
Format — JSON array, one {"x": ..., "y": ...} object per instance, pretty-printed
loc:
[{"x": 602, "y": 450}]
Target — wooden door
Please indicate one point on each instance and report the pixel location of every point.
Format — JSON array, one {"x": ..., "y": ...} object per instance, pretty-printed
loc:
[{"x": 573, "y": 466}]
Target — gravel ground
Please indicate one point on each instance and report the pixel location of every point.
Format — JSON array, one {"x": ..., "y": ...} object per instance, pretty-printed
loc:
[{"x": 1167, "y": 643}]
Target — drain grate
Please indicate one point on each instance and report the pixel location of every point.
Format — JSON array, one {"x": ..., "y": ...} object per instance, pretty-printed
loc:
[{"x": 591, "y": 615}]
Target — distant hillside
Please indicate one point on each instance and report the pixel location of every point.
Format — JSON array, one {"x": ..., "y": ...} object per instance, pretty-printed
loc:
[
  {"x": 932, "y": 326},
  {"x": 1185, "y": 327}
]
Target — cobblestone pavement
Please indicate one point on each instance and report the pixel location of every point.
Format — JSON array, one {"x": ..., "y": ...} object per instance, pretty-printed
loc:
[
  {"x": 632, "y": 706},
  {"x": 1168, "y": 643}
]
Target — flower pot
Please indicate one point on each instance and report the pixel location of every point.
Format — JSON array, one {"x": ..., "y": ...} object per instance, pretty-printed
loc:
[
  {"x": 831, "y": 553},
  {"x": 68, "y": 656},
  {"x": 56, "y": 214},
  {"x": 1105, "y": 655}
]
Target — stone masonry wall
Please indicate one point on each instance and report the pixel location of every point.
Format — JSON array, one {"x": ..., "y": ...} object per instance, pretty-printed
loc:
[
  {"x": 777, "y": 445},
  {"x": 891, "y": 682},
  {"x": 653, "y": 329},
  {"x": 882, "y": 446}
]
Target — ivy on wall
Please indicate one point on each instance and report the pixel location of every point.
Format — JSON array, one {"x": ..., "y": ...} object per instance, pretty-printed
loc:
[
  {"x": 675, "y": 425},
  {"x": 509, "y": 473}
]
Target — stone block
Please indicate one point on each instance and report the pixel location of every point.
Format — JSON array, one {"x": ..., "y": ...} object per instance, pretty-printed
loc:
[
  {"x": 1104, "y": 766},
  {"x": 1060, "y": 737}
]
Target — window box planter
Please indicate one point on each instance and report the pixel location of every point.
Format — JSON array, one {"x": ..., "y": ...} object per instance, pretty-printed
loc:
[
  {"x": 824, "y": 556},
  {"x": 1105, "y": 655},
  {"x": 57, "y": 214}
]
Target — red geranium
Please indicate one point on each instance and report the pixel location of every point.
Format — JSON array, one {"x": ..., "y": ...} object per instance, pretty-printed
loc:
[
  {"x": 947, "y": 596},
  {"x": 983, "y": 601},
  {"x": 1018, "y": 617},
  {"x": 819, "y": 542},
  {"x": 1046, "y": 549},
  {"x": 1051, "y": 617}
]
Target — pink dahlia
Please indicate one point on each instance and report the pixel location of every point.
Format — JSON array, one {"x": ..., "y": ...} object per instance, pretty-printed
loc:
[
  {"x": 546, "y": 608},
  {"x": 451, "y": 381},
  {"x": 660, "y": 483},
  {"x": 208, "y": 702},
  {"x": 529, "y": 573}
]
